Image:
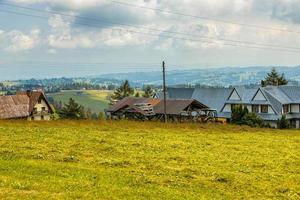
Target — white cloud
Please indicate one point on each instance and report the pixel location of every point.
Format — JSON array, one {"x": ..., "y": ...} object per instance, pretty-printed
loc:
[{"x": 18, "y": 41}]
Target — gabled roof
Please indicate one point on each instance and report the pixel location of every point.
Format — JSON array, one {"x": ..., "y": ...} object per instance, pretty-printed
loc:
[
  {"x": 212, "y": 97},
  {"x": 177, "y": 106},
  {"x": 20, "y": 105}
]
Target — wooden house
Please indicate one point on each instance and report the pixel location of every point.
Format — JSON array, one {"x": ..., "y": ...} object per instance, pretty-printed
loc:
[{"x": 30, "y": 105}]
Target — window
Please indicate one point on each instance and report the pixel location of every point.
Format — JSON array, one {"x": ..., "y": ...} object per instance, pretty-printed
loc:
[
  {"x": 34, "y": 110},
  {"x": 255, "y": 109},
  {"x": 264, "y": 109},
  {"x": 43, "y": 108},
  {"x": 42, "y": 117},
  {"x": 286, "y": 108},
  {"x": 39, "y": 101}
]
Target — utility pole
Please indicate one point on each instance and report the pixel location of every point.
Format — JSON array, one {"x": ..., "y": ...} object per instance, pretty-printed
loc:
[{"x": 164, "y": 90}]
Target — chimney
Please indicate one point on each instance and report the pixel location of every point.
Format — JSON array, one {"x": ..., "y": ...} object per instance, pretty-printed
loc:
[{"x": 28, "y": 93}]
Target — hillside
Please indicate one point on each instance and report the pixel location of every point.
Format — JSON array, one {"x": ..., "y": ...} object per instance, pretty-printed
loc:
[
  {"x": 130, "y": 160},
  {"x": 96, "y": 100}
]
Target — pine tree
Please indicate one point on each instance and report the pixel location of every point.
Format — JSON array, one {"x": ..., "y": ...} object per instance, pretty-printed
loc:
[
  {"x": 137, "y": 94},
  {"x": 148, "y": 92},
  {"x": 123, "y": 91},
  {"x": 72, "y": 110},
  {"x": 274, "y": 79}
]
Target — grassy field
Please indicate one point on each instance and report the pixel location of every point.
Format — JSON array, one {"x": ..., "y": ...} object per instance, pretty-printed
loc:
[
  {"x": 96, "y": 100},
  {"x": 130, "y": 160}
]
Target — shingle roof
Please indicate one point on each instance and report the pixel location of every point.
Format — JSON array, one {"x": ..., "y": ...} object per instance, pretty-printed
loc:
[
  {"x": 20, "y": 105},
  {"x": 16, "y": 106}
]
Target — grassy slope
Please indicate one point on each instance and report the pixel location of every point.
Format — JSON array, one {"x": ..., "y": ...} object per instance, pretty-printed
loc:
[
  {"x": 128, "y": 160},
  {"x": 95, "y": 100}
]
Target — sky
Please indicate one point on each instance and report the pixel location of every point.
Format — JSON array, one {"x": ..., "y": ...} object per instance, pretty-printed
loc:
[{"x": 56, "y": 38}]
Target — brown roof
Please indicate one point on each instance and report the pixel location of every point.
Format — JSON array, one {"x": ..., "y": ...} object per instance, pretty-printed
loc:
[
  {"x": 177, "y": 106},
  {"x": 130, "y": 102},
  {"x": 174, "y": 106},
  {"x": 20, "y": 105}
]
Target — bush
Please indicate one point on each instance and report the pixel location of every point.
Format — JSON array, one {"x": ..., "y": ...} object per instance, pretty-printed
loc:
[
  {"x": 251, "y": 119},
  {"x": 283, "y": 123},
  {"x": 241, "y": 116},
  {"x": 101, "y": 116},
  {"x": 238, "y": 114}
]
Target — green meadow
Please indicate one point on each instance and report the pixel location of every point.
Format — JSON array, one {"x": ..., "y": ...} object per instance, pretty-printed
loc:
[
  {"x": 96, "y": 100},
  {"x": 132, "y": 160}
]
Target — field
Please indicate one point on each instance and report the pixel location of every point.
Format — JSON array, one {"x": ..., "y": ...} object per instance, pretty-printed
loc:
[
  {"x": 96, "y": 100},
  {"x": 131, "y": 160}
]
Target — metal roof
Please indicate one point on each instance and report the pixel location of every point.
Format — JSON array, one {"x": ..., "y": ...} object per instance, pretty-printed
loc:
[{"x": 214, "y": 98}]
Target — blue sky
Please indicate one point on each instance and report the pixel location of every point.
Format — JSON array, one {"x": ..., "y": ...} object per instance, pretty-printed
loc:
[{"x": 55, "y": 38}]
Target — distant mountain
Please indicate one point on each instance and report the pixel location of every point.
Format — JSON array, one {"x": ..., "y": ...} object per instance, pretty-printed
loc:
[
  {"x": 220, "y": 77},
  {"x": 211, "y": 77}
]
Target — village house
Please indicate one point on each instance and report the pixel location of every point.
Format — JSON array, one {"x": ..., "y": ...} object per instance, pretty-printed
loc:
[
  {"x": 30, "y": 105},
  {"x": 270, "y": 103}
]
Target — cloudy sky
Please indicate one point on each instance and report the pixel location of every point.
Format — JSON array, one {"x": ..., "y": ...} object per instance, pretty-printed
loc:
[{"x": 54, "y": 38}]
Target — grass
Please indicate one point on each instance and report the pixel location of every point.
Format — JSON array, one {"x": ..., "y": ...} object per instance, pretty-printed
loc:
[
  {"x": 96, "y": 100},
  {"x": 131, "y": 160}
]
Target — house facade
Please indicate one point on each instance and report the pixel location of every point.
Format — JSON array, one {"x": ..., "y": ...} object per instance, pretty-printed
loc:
[
  {"x": 30, "y": 105},
  {"x": 270, "y": 103}
]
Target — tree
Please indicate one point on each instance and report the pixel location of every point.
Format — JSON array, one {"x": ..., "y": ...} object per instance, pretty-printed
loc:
[
  {"x": 72, "y": 110},
  {"x": 137, "y": 94},
  {"x": 274, "y": 79},
  {"x": 238, "y": 114},
  {"x": 148, "y": 92},
  {"x": 123, "y": 91}
]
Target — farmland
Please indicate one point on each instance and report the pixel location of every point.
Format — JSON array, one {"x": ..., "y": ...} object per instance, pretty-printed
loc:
[
  {"x": 96, "y": 100},
  {"x": 131, "y": 160}
]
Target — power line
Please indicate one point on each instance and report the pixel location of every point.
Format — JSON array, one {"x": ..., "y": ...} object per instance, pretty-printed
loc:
[
  {"x": 152, "y": 29},
  {"x": 205, "y": 18},
  {"x": 281, "y": 49}
]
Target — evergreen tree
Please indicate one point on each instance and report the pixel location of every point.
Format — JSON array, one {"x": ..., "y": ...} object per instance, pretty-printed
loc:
[
  {"x": 283, "y": 123},
  {"x": 148, "y": 92},
  {"x": 274, "y": 79},
  {"x": 72, "y": 110},
  {"x": 123, "y": 91},
  {"x": 137, "y": 94},
  {"x": 238, "y": 114}
]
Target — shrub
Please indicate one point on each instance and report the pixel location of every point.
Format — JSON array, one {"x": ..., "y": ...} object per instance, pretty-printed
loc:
[
  {"x": 101, "y": 116},
  {"x": 283, "y": 123},
  {"x": 241, "y": 116},
  {"x": 251, "y": 119},
  {"x": 238, "y": 114}
]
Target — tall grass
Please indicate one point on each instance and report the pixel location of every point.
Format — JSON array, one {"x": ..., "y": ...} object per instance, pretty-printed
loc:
[{"x": 146, "y": 160}]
